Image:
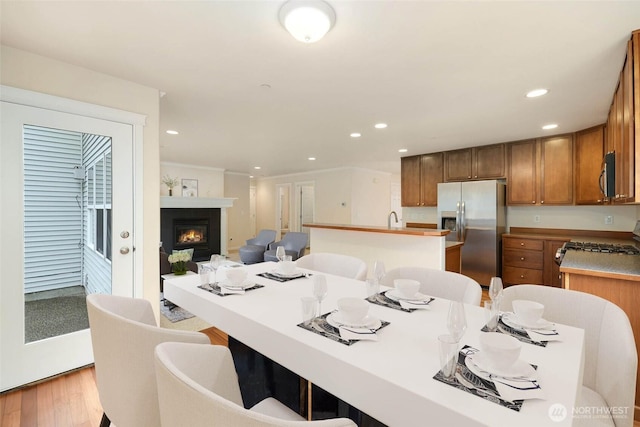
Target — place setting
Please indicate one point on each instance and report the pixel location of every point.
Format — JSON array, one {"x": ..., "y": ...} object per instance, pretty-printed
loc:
[
  {"x": 405, "y": 295},
  {"x": 285, "y": 269},
  {"x": 350, "y": 323},
  {"x": 494, "y": 372},
  {"x": 235, "y": 282},
  {"x": 525, "y": 323}
]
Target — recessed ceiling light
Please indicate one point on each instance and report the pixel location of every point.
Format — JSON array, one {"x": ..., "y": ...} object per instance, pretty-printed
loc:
[
  {"x": 380, "y": 125},
  {"x": 256, "y": 167},
  {"x": 172, "y": 132},
  {"x": 312, "y": 158},
  {"x": 355, "y": 135},
  {"x": 550, "y": 126},
  {"x": 402, "y": 150},
  {"x": 251, "y": 176},
  {"x": 536, "y": 93}
]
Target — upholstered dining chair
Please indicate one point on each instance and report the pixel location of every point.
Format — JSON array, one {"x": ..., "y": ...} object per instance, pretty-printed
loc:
[
  {"x": 124, "y": 335},
  {"x": 439, "y": 283},
  {"x": 611, "y": 358},
  {"x": 198, "y": 387},
  {"x": 295, "y": 244},
  {"x": 255, "y": 248},
  {"x": 337, "y": 264}
]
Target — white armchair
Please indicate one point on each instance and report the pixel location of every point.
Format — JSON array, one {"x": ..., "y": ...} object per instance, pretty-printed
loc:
[{"x": 337, "y": 264}]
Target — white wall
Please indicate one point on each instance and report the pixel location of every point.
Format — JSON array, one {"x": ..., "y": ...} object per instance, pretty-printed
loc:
[
  {"x": 236, "y": 185},
  {"x": 28, "y": 71},
  {"x": 370, "y": 197}
]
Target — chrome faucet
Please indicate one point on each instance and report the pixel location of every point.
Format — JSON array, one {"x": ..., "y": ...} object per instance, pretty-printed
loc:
[{"x": 389, "y": 218}]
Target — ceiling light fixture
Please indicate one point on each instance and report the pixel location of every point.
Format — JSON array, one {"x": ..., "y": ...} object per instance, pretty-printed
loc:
[
  {"x": 550, "y": 126},
  {"x": 536, "y": 93},
  {"x": 312, "y": 158},
  {"x": 402, "y": 150},
  {"x": 380, "y": 125},
  {"x": 355, "y": 135},
  {"x": 307, "y": 20},
  {"x": 172, "y": 132},
  {"x": 257, "y": 167}
]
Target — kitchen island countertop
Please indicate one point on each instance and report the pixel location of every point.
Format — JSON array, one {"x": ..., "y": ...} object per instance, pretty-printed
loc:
[{"x": 619, "y": 266}]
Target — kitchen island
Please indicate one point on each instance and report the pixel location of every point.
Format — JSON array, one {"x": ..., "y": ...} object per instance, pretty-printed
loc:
[{"x": 396, "y": 247}]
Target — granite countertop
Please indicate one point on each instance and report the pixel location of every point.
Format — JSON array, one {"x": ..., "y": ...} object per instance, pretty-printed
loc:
[{"x": 621, "y": 266}]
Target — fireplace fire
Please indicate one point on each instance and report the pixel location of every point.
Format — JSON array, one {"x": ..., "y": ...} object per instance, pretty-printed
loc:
[
  {"x": 196, "y": 234},
  {"x": 197, "y": 228}
]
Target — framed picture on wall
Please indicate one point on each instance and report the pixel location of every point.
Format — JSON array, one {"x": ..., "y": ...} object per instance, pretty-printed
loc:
[{"x": 189, "y": 188}]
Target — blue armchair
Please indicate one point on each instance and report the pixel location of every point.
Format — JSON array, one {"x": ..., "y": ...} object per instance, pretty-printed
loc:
[
  {"x": 253, "y": 251},
  {"x": 295, "y": 244}
]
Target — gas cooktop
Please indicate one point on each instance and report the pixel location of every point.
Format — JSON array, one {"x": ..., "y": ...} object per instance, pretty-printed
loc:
[{"x": 602, "y": 248}]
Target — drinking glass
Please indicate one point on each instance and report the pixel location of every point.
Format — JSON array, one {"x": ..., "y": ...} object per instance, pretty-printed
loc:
[
  {"x": 491, "y": 315},
  {"x": 308, "y": 309},
  {"x": 379, "y": 270},
  {"x": 456, "y": 320},
  {"x": 448, "y": 346},
  {"x": 216, "y": 261},
  {"x": 495, "y": 291},
  {"x": 203, "y": 271},
  {"x": 372, "y": 287},
  {"x": 280, "y": 252},
  {"x": 319, "y": 290}
]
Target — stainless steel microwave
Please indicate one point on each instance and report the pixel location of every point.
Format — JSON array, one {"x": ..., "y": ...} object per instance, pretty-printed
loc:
[{"x": 608, "y": 175}]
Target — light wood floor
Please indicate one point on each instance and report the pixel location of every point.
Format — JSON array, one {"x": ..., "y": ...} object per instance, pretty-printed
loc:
[{"x": 69, "y": 400}]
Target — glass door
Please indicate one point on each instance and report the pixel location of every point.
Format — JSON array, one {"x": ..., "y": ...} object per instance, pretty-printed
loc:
[{"x": 67, "y": 227}]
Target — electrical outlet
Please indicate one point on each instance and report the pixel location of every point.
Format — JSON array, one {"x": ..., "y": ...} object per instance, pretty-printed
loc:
[
  {"x": 536, "y": 218},
  {"x": 608, "y": 219}
]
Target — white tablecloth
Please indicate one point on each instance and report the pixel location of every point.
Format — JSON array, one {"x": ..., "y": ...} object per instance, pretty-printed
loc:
[{"x": 391, "y": 378}]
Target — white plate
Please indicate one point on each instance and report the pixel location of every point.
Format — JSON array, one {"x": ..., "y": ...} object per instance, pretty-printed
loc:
[
  {"x": 335, "y": 320},
  {"x": 510, "y": 319},
  {"x": 287, "y": 276},
  {"x": 395, "y": 295},
  {"x": 479, "y": 366},
  {"x": 242, "y": 286}
]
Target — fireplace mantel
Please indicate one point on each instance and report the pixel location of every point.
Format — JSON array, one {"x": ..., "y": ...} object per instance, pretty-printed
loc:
[{"x": 195, "y": 202}]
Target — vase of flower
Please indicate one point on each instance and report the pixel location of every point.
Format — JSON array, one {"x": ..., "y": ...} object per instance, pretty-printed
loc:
[
  {"x": 170, "y": 183},
  {"x": 178, "y": 261}
]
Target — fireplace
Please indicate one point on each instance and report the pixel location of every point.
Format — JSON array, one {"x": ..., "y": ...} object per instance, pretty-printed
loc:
[{"x": 196, "y": 228}]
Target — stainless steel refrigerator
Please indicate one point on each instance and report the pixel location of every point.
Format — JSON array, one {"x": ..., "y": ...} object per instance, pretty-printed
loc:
[{"x": 475, "y": 213}]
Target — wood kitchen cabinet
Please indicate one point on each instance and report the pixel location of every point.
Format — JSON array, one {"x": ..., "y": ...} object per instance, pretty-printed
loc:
[
  {"x": 420, "y": 176},
  {"x": 485, "y": 162},
  {"x": 540, "y": 171},
  {"x": 530, "y": 260},
  {"x": 589, "y": 154}
]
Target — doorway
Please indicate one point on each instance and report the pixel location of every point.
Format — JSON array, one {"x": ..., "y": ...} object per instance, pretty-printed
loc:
[
  {"x": 283, "y": 209},
  {"x": 60, "y": 201},
  {"x": 305, "y": 207}
]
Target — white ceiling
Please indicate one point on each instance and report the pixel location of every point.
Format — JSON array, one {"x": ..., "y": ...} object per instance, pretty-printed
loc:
[{"x": 443, "y": 75}]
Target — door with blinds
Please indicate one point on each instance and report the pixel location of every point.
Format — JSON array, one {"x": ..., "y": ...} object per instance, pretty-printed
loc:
[{"x": 63, "y": 211}]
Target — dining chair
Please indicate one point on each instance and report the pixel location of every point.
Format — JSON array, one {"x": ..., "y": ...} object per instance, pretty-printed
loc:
[
  {"x": 253, "y": 251},
  {"x": 124, "y": 335},
  {"x": 295, "y": 244},
  {"x": 611, "y": 359},
  {"x": 198, "y": 387},
  {"x": 337, "y": 264},
  {"x": 438, "y": 283}
]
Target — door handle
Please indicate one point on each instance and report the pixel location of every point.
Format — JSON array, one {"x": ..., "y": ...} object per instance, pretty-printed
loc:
[
  {"x": 124, "y": 250},
  {"x": 124, "y": 234}
]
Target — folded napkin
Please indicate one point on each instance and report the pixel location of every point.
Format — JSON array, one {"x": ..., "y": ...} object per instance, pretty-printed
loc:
[
  {"x": 228, "y": 291},
  {"x": 544, "y": 335},
  {"x": 420, "y": 305},
  {"x": 362, "y": 334},
  {"x": 518, "y": 389}
]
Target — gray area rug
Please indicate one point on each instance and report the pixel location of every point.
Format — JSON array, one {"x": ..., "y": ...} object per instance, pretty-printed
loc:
[
  {"x": 51, "y": 317},
  {"x": 174, "y": 315}
]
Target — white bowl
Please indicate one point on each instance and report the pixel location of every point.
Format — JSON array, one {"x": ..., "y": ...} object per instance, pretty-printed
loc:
[
  {"x": 500, "y": 350},
  {"x": 353, "y": 310},
  {"x": 287, "y": 267},
  {"x": 236, "y": 276},
  {"x": 527, "y": 312},
  {"x": 407, "y": 287}
]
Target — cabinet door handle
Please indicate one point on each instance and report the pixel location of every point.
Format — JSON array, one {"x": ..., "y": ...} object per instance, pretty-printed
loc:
[
  {"x": 521, "y": 258},
  {"x": 521, "y": 243},
  {"x": 522, "y": 276},
  {"x": 534, "y": 202},
  {"x": 541, "y": 202}
]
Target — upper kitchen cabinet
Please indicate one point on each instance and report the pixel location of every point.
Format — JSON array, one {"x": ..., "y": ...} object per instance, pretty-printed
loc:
[
  {"x": 420, "y": 176},
  {"x": 485, "y": 162},
  {"x": 589, "y": 152},
  {"x": 540, "y": 171}
]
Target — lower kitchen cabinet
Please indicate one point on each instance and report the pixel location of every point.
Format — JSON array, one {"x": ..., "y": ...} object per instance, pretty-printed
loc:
[{"x": 530, "y": 260}]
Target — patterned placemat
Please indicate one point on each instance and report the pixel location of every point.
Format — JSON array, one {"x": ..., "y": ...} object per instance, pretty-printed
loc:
[
  {"x": 280, "y": 278},
  {"x": 482, "y": 388},
  {"x": 385, "y": 301},
  {"x": 215, "y": 289},
  {"x": 320, "y": 326},
  {"x": 516, "y": 333}
]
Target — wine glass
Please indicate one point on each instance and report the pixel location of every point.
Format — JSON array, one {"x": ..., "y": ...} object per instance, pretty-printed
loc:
[
  {"x": 456, "y": 320},
  {"x": 495, "y": 291},
  {"x": 280, "y": 253},
  {"x": 379, "y": 270},
  {"x": 319, "y": 289},
  {"x": 216, "y": 261}
]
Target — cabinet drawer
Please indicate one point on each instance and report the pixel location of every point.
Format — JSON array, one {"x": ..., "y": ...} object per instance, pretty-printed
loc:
[
  {"x": 515, "y": 243},
  {"x": 518, "y": 275},
  {"x": 521, "y": 258}
]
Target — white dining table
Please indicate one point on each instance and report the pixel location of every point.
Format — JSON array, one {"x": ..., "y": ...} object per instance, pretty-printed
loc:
[{"x": 390, "y": 379}]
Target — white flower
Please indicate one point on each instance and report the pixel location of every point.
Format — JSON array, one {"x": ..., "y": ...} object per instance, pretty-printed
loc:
[{"x": 179, "y": 256}]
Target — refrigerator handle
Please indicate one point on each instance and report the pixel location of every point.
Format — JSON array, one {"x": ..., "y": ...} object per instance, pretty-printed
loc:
[
  {"x": 463, "y": 223},
  {"x": 458, "y": 222}
]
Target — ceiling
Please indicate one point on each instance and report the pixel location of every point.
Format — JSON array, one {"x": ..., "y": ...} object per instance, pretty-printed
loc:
[{"x": 243, "y": 93}]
